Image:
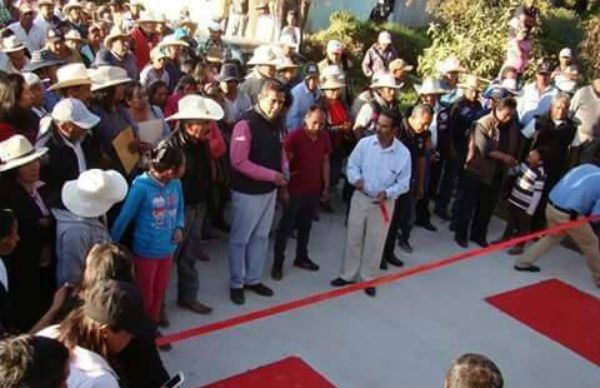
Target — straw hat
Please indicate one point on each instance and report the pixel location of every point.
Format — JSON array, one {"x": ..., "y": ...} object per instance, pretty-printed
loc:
[
  {"x": 384, "y": 80},
  {"x": 471, "y": 82},
  {"x": 197, "y": 107},
  {"x": 331, "y": 81},
  {"x": 94, "y": 192},
  {"x": 106, "y": 76},
  {"x": 399, "y": 64},
  {"x": 45, "y": 2},
  {"x": 171, "y": 40},
  {"x": 115, "y": 33},
  {"x": 42, "y": 58},
  {"x": 264, "y": 55},
  {"x": 75, "y": 35},
  {"x": 157, "y": 53},
  {"x": 451, "y": 65},
  {"x": 147, "y": 17},
  {"x": 430, "y": 86},
  {"x": 215, "y": 25},
  {"x": 72, "y": 4},
  {"x": 17, "y": 151},
  {"x": 12, "y": 44},
  {"x": 72, "y": 110},
  {"x": 214, "y": 55},
  {"x": 73, "y": 74},
  {"x": 286, "y": 63}
]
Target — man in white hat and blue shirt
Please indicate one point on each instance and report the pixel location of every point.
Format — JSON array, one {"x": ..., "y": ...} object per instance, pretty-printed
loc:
[{"x": 258, "y": 168}]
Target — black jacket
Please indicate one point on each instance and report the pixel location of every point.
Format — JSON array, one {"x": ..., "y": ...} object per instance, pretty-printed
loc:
[{"x": 196, "y": 180}]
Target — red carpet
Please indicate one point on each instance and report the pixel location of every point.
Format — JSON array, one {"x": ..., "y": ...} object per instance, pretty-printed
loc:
[
  {"x": 558, "y": 311},
  {"x": 290, "y": 372}
]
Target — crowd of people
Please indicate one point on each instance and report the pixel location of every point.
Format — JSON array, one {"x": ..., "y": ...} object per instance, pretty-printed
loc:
[{"x": 125, "y": 141}]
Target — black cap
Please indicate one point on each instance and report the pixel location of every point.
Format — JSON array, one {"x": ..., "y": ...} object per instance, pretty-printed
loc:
[
  {"x": 119, "y": 305},
  {"x": 545, "y": 67},
  {"x": 311, "y": 70},
  {"x": 229, "y": 72}
]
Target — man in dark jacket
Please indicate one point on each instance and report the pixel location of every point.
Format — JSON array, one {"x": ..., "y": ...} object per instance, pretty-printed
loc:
[{"x": 196, "y": 115}]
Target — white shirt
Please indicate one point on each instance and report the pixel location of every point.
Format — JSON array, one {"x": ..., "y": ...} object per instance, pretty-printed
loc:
[
  {"x": 234, "y": 109},
  {"x": 34, "y": 40},
  {"x": 43, "y": 24},
  {"x": 76, "y": 147},
  {"x": 531, "y": 103},
  {"x": 3, "y": 275},
  {"x": 88, "y": 369},
  {"x": 381, "y": 169},
  {"x": 267, "y": 29}
]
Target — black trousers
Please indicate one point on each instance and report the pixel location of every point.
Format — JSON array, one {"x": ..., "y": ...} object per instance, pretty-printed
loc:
[
  {"x": 297, "y": 214},
  {"x": 402, "y": 221},
  {"x": 518, "y": 222},
  {"x": 475, "y": 205}
]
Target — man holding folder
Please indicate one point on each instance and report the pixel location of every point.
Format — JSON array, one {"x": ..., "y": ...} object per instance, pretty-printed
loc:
[{"x": 380, "y": 169}]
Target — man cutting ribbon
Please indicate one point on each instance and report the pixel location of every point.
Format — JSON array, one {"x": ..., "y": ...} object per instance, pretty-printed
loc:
[{"x": 380, "y": 169}]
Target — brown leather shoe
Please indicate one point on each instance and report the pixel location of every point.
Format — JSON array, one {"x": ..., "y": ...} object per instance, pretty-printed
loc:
[{"x": 196, "y": 307}]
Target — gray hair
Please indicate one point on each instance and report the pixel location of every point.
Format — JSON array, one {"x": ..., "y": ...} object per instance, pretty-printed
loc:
[
  {"x": 421, "y": 109},
  {"x": 561, "y": 97}
]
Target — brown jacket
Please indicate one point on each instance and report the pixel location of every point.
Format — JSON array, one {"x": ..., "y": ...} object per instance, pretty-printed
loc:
[{"x": 489, "y": 135}]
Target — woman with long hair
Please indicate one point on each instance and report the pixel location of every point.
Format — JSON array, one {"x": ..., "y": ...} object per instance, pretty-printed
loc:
[{"x": 16, "y": 102}]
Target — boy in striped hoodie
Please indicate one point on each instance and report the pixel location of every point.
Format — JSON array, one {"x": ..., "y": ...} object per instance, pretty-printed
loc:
[{"x": 525, "y": 197}]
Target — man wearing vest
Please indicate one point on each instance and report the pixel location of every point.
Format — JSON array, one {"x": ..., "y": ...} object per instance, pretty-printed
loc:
[
  {"x": 384, "y": 87},
  {"x": 258, "y": 164}
]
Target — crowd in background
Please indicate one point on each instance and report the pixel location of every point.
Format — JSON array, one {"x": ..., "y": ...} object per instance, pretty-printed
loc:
[{"x": 126, "y": 140}]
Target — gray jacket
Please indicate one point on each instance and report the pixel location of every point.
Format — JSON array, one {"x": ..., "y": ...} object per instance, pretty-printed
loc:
[{"x": 75, "y": 236}]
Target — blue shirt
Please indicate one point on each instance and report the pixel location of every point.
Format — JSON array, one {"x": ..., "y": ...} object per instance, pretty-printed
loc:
[
  {"x": 302, "y": 99},
  {"x": 381, "y": 169},
  {"x": 579, "y": 190}
]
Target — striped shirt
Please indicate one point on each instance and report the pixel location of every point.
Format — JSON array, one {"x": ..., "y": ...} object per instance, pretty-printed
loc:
[{"x": 527, "y": 190}]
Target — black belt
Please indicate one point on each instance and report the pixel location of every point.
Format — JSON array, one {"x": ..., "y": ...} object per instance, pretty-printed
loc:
[{"x": 572, "y": 213}]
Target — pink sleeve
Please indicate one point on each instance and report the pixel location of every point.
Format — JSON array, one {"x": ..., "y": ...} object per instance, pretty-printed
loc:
[
  {"x": 216, "y": 142},
  {"x": 239, "y": 152}
]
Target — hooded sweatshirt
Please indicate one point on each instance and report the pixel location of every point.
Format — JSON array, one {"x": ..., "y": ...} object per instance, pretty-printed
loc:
[
  {"x": 157, "y": 211},
  {"x": 75, "y": 236}
]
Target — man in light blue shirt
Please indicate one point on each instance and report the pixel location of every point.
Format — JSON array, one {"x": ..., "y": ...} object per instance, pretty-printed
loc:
[
  {"x": 380, "y": 169},
  {"x": 576, "y": 195},
  {"x": 304, "y": 95}
]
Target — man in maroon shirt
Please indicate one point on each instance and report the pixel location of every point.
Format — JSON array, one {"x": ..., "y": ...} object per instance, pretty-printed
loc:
[{"x": 308, "y": 155}]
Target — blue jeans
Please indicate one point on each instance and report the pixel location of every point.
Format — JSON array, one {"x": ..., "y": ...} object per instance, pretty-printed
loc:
[{"x": 249, "y": 237}]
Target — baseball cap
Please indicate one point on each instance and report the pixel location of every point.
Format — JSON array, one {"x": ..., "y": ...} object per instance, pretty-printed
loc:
[
  {"x": 334, "y": 47},
  {"x": 311, "y": 70},
  {"x": 384, "y": 37},
  {"x": 72, "y": 110},
  {"x": 545, "y": 67},
  {"x": 565, "y": 53},
  {"x": 119, "y": 305},
  {"x": 31, "y": 79}
]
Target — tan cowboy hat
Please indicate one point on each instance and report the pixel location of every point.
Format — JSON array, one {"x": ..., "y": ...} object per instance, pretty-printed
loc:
[
  {"x": 384, "y": 80},
  {"x": 197, "y": 107},
  {"x": 45, "y": 2},
  {"x": 73, "y": 74},
  {"x": 214, "y": 55},
  {"x": 115, "y": 33},
  {"x": 106, "y": 76},
  {"x": 171, "y": 40},
  {"x": 72, "y": 4},
  {"x": 17, "y": 151},
  {"x": 264, "y": 55},
  {"x": 331, "y": 82},
  {"x": 430, "y": 85},
  {"x": 451, "y": 65},
  {"x": 286, "y": 63},
  {"x": 75, "y": 35},
  {"x": 147, "y": 17},
  {"x": 399, "y": 64},
  {"x": 471, "y": 82},
  {"x": 94, "y": 192},
  {"x": 12, "y": 44}
]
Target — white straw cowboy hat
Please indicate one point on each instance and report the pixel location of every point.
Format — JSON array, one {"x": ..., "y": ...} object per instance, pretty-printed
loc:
[
  {"x": 72, "y": 110},
  {"x": 470, "y": 82},
  {"x": 286, "y": 63},
  {"x": 147, "y": 17},
  {"x": 214, "y": 55},
  {"x": 45, "y": 2},
  {"x": 332, "y": 81},
  {"x": 73, "y": 74},
  {"x": 157, "y": 53},
  {"x": 197, "y": 107},
  {"x": 451, "y": 65},
  {"x": 430, "y": 86},
  {"x": 107, "y": 76},
  {"x": 264, "y": 55},
  {"x": 399, "y": 64},
  {"x": 12, "y": 44},
  {"x": 75, "y": 36},
  {"x": 215, "y": 25},
  {"x": 72, "y": 4},
  {"x": 115, "y": 33},
  {"x": 94, "y": 192},
  {"x": 384, "y": 80},
  {"x": 171, "y": 40},
  {"x": 17, "y": 151}
]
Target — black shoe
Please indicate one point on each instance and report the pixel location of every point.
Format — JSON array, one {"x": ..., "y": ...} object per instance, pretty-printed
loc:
[
  {"x": 383, "y": 265},
  {"x": 371, "y": 291},
  {"x": 516, "y": 250},
  {"x": 452, "y": 227},
  {"x": 237, "y": 295},
  {"x": 393, "y": 260},
  {"x": 222, "y": 225},
  {"x": 260, "y": 289},
  {"x": 326, "y": 207},
  {"x": 427, "y": 226},
  {"x": 461, "y": 243},
  {"x": 529, "y": 268},
  {"x": 482, "y": 243},
  {"x": 165, "y": 347},
  {"x": 307, "y": 264},
  {"x": 405, "y": 246},
  {"x": 277, "y": 272},
  {"x": 339, "y": 282},
  {"x": 442, "y": 215}
]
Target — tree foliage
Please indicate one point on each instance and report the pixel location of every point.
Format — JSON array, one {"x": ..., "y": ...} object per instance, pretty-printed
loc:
[{"x": 590, "y": 47}]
